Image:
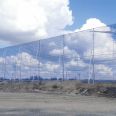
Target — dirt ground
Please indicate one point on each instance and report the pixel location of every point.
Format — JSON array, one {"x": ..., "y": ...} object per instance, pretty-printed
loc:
[{"x": 44, "y": 104}]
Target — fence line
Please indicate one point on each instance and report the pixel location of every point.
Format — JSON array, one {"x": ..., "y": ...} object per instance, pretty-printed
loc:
[{"x": 79, "y": 55}]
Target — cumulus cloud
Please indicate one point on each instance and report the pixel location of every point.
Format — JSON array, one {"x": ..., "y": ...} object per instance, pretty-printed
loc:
[
  {"x": 67, "y": 52},
  {"x": 24, "y": 59},
  {"x": 51, "y": 67},
  {"x": 92, "y": 23},
  {"x": 1, "y": 60},
  {"x": 74, "y": 64},
  {"x": 79, "y": 45},
  {"x": 103, "y": 70},
  {"x": 12, "y": 65},
  {"x": 82, "y": 41},
  {"x": 27, "y": 20},
  {"x": 26, "y": 63},
  {"x": 103, "y": 42}
]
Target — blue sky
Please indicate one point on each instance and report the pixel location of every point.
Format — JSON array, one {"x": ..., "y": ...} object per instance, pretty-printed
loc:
[
  {"x": 25, "y": 21},
  {"x": 105, "y": 10}
]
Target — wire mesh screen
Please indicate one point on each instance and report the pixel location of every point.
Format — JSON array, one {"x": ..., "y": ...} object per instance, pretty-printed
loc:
[{"x": 88, "y": 54}]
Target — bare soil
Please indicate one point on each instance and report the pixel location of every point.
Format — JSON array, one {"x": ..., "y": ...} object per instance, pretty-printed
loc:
[
  {"x": 56, "y": 98},
  {"x": 45, "y": 104}
]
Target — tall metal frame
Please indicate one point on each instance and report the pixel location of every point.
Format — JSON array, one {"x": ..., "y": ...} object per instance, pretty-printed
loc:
[
  {"x": 4, "y": 64},
  {"x": 63, "y": 55},
  {"x": 93, "y": 61}
]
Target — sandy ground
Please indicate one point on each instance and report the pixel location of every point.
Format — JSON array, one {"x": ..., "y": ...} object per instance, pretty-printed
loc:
[{"x": 40, "y": 104}]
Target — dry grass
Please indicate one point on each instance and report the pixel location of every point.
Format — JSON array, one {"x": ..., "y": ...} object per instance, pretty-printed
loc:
[{"x": 70, "y": 87}]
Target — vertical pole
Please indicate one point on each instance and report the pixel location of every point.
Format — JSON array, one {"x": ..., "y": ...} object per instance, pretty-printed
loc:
[
  {"x": 39, "y": 62},
  {"x": 4, "y": 64},
  {"x": 112, "y": 59},
  {"x": 63, "y": 60},
  {"x": 90, "y": 69},
  {"x": 15, "y": 75},
  {"x": 66, "y": 75},
  {"x": 60, "y": 65},
  {"x": 20, "y": 68},
  {"x": 38, "y": 59},
  {"x": 30, "y": 69},
  {"x": 75, "y": 76},
  {"x": 79, "y": 76},
  {"x": 93, "y": 62}
]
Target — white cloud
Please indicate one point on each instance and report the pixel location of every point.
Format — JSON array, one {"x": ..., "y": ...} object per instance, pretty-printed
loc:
[
  {"x": 12, "y": 65},
  {"x": 56, "y": 52},
  {"x": 1, "y": 60},
  {"x": 75, "y": 64},
  {"x": 67, "y": 52},
  {"x": 26, "y": 62},
  {"x": 103, "y": 69},
  {"x": 27, "y": 59},
  {"x": 83, "y": 40},
  {"x": 78, "y": 44},
  {"x": 27, "y": 20},
  {"x": 21, "y": 59},
  {"x": 92, "y": 23},
  {"x": 51, "y": 67}
]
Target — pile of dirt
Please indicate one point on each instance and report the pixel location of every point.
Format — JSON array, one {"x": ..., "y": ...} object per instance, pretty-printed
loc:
[
  {"x": 62, "y": 87},
  {"x": 105, "y": 90}
]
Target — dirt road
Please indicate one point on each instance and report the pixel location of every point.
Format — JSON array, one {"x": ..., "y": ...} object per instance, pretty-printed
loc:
[{"x": 39, "y": 104}]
